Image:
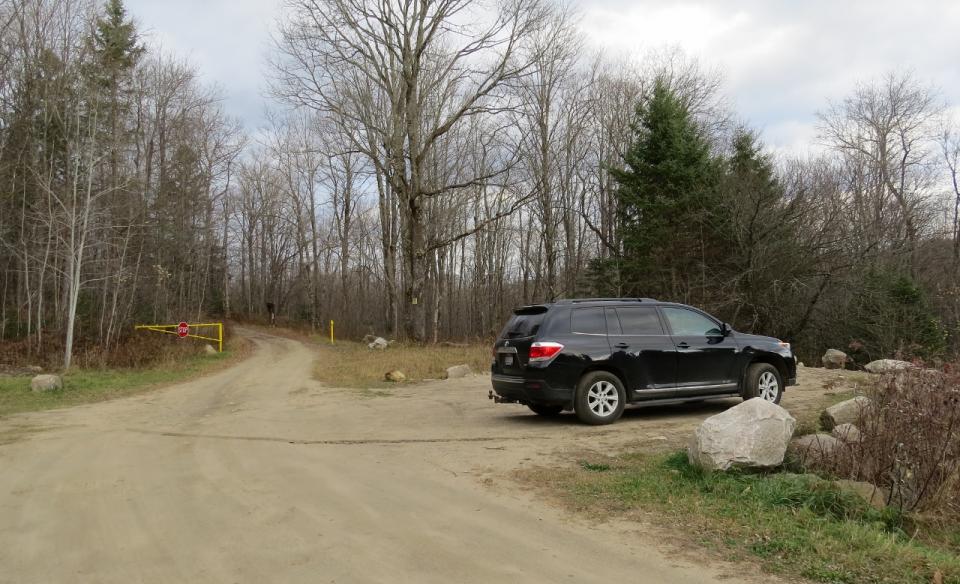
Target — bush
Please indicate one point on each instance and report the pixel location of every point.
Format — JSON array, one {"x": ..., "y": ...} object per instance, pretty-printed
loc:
[
  {"x": 910, "y": 442},
  {"x": 134, "y": 349}
]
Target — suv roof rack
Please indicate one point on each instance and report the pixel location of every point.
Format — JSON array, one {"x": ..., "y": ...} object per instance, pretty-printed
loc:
[{"x": 579, "y": 300}]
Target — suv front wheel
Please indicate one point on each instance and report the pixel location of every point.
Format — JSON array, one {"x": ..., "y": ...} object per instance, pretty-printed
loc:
[
  {"x": 763, "y": 380},
  {"x": 600, "y": 398}
]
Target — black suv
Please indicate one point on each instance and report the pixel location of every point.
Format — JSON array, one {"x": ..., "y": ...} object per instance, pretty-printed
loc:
[{"x": 595, "y": 355}]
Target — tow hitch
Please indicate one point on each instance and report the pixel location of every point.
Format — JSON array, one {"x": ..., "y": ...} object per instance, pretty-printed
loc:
[{"x": 500, "y": 400}]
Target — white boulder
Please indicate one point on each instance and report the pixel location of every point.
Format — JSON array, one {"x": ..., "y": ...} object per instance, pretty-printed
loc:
[
  {"x": 887, "y": 366},
  {"x": 847, "y": 433},
  {"x": 834, "y": 359},
  {"x": 43, "y": 383},
  {"x": 396, "y": 376},
  {"x": 845, "y": 412},
  {"x": 870, "y": 493},
  {"x": 379, "y": 343},
  {"x": 458, "y": 371},
  {"x": 812, "y": 449},
  {"x": 752, "y": 434}
]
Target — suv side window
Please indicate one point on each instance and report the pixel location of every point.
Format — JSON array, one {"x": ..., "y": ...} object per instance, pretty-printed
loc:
[
  {"x": 687, "y": 323},
  {"x": 588, "y": 321},
  {"x": 640, "y": 321}
]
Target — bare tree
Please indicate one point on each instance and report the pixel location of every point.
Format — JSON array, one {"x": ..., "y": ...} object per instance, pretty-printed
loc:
[
  {"x": 436, "y": 64},
  {"x": 950, "y": 146},
  {"x": 885, "y": 133}
]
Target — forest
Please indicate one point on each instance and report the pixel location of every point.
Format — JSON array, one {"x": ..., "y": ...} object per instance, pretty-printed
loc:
[{"x": 430, "y": 165}]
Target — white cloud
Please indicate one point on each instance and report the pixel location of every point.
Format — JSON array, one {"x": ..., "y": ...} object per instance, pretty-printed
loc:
[
  {"x": 226, "y": 39},
  {"x": 782, "y": 60}
]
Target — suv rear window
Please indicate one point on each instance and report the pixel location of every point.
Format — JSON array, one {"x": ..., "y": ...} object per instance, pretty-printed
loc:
[
  {"x": 588, "y": 321},
  {"x": 524, "y": 323}
]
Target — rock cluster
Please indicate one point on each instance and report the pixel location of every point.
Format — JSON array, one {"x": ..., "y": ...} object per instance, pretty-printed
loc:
[{"x": 759, "y": 434}]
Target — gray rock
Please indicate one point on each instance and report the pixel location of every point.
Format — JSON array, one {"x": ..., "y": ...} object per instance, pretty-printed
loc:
[
  {"x": 847, "y": 433},
  {"x": 43, "y": 383},
  {"x": 458, "y": 371},
  {"x": 812, "y": 449},
  {"x": 752, "y": 434},
  {"x": 887, "y": 366},
  {"x": 34, "y": 369},
  {"x": 395, "y": 376},
  {"x": 834, "y": 359},
  {"x": 845, "y": 412},
  {"x": 872, "y": 494},
  {"x": 209, "y": 350},
  {"x": 379, "y": 343}
]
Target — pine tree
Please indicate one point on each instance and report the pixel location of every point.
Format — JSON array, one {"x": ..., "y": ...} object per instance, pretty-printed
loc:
[
  {"x": 667, "y": 200},
  {"x": 115, "y": 52},
  {"x": 115, "y": 44}
]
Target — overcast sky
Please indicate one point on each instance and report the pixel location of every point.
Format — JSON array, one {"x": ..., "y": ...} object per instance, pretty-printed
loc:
[{"x": 782, "y": 60}]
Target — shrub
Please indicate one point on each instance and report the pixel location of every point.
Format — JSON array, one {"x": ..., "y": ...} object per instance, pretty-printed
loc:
[{"x": 910, "y": 442}]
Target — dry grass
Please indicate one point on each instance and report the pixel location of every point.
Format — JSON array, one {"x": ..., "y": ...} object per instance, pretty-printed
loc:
[
  {"x": 176, "y": 362},
  {"x": 351, "y": 364}
]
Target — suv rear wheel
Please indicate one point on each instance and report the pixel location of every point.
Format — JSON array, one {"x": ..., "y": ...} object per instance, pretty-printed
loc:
[
  {"x": 763, "y": 380},
  {"x": 600, "y": 398},
  {"x": 545, "y": 410}
]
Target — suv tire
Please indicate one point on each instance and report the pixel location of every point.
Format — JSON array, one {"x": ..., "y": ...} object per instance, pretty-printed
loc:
[
  {"x": 544, "y": 410},
  {"x": 600, "y": 398},
  {"x": 763, "y": 380}
]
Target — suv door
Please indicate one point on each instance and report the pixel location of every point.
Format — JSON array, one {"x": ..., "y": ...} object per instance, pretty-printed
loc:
[
  {"x": 705, "y": 357},
  {"x": 641, "y": 348},
  {"x": 588, "y": 332}
]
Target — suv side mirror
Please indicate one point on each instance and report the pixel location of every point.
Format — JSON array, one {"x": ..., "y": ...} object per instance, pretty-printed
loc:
[{"x": 725, "y": 329}]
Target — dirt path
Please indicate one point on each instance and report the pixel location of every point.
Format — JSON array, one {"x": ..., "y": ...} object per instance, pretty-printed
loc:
[{"x": 257, "y": 474}]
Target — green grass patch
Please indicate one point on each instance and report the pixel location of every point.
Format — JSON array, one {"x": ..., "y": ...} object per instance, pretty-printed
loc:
[
  {"x": 793, "y": 524},
  {"x": 83, "y": 386},
  {"x": 353, "y": 365}
]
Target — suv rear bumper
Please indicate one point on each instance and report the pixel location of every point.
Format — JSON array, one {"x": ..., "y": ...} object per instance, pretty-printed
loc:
[{"x": 529, "y": 391}]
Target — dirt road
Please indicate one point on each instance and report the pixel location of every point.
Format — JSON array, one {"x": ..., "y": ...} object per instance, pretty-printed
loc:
[{"x": 258, "y": 474}]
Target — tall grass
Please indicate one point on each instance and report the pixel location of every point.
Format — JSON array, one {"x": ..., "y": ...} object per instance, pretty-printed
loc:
[{"x": 351, "y": 364}]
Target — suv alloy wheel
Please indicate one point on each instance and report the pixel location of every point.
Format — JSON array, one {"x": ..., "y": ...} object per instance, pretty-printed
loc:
[
  {"x": 600, "y": 398},
  {"x": 763, "y": 381}
]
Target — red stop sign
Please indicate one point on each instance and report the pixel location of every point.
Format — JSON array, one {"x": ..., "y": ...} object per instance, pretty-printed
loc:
[{"x": 183, "y": 329}]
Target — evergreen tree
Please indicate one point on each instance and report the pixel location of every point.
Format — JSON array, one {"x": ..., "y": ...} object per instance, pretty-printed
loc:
[
  {"x": 758, "y": 224},
  {"x": 115, "y": 45},
  {"x": 115, "y": 52},
  {"x": 667, "y": 201}
]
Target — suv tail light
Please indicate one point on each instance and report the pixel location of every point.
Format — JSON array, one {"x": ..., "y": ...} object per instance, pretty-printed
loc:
[{"x": 542, "y": 352}]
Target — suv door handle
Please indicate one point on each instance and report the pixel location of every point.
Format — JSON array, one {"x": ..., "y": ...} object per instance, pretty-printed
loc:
[
  {"x": 683, "y": 345},
  {"x": 622, "y": 346}
]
